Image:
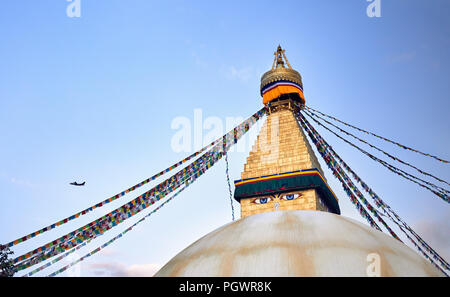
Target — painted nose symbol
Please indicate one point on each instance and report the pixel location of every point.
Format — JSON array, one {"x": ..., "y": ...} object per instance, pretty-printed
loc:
[{"x": 276, "y": 205}]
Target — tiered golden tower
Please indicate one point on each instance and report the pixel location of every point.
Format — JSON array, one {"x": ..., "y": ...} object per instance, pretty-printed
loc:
[{"x": 282, "y": 171}]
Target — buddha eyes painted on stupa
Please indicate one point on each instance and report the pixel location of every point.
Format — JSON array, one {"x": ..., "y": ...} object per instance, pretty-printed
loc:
[
  {"x": 290, "y": 196},
  {"x": 262, "y": 200},
  {"x": 285, "y": 197}
]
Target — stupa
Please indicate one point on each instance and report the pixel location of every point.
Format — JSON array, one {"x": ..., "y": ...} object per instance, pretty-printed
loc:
[{"x": 290, "y": 218}]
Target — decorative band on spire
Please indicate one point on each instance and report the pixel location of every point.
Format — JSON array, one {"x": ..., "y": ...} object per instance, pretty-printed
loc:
[{"x": 275, "y": 89}]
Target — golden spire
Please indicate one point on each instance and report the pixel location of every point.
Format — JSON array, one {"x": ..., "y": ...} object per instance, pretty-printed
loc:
[
  {"x": 282, "y": 171},
  {"x": 279, "y": 56}
]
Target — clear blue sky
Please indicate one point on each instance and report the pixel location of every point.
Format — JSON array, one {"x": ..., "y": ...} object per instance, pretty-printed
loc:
[{"x": 92, "y": 99}]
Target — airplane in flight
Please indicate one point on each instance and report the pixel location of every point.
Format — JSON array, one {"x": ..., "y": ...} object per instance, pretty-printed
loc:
[{"x": 77, "y": 184}]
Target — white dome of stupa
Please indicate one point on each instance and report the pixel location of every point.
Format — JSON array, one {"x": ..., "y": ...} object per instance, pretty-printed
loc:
[{"x": 297, "y": 243}]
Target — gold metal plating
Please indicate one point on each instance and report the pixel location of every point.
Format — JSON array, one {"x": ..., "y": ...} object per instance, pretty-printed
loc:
[{"x": 280, "y": 72}]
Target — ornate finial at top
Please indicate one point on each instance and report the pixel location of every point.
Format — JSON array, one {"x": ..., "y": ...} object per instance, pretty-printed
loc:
[
  {"x": 278, "y": 61},
  {"x": 281, "y": 80}
]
